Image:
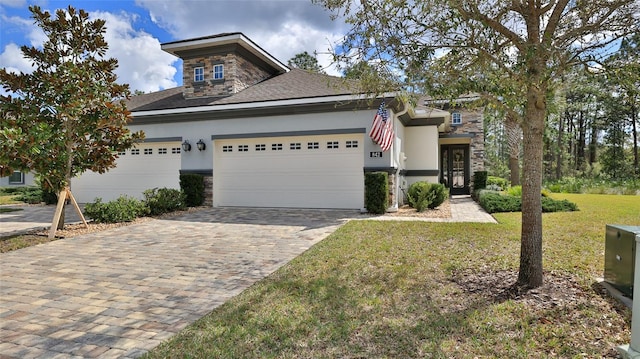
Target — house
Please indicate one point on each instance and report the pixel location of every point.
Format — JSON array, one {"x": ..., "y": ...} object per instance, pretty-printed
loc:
[{"x": 265, "y": 135}]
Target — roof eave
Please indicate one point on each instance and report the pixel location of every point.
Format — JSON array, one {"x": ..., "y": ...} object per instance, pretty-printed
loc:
[{"x": 235, "y": 38}]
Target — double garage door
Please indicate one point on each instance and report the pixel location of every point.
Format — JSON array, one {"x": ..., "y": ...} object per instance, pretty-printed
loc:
[
  {"x": 324, "y": 171},
  {"x": 148, "y": 165}
]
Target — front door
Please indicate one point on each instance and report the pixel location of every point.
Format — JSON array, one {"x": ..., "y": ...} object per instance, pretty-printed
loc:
[{"x": 454, "y": 168}]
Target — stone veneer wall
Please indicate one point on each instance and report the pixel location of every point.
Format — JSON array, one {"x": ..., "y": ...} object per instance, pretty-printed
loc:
[
  {"x": 239, "y": 73},
  {"x": 208, "y": 191},
  {"x": 472, "y": 124}
]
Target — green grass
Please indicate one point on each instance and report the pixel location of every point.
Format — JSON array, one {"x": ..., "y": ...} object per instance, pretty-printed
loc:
[
  {"x": 396, "y": 290},
  {"x": 8, "y": 198}
]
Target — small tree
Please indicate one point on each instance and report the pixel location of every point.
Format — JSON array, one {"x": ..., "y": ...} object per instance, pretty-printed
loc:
[
  {"x": 305, "y": 61},
  {"x": 67, "y": 116}
]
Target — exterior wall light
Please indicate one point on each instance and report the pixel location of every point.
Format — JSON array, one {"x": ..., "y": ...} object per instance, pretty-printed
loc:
[
  {"x": 201, "y": 145},
  {"x": 186, "y": 146}
]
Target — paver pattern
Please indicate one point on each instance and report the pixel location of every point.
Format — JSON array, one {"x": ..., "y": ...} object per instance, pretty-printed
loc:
[{"x": 119, "y": 293}]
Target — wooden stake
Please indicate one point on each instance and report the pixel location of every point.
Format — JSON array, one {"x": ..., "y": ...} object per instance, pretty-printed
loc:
[
  {"x": 62, "y": 196},
  {"x": 75, "y": 204}
]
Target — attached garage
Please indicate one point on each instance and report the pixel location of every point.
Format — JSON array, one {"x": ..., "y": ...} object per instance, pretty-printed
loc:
[
  {"x": 148, "y": 165},
  {"x": 309, "y": 171}
]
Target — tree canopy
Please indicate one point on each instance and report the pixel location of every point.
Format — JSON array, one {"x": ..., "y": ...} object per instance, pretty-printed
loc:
[
  {"x": 509, "y": 52},
  {"x": 305, "y": 61},
  {"x": 68, "y": 115}
]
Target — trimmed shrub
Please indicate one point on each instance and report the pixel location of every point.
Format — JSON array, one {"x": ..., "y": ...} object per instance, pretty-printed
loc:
[
  {"x": 163, "y": 200},
  {"x": 49, "y": 196},
  {"x": 423, "y": 195},
  {"x": 438, "y": 193},
  {"x": 497, "y": 181},
  {"x": 31, "y": 195},
  {"x": 123, "y": 209},
  {"x": 480, "y": 180},
  {"x": 494, "y": 202},
  {"x": 376, "y": 189},
  {"x": 420, "y": 196},
  {"x": 192, "y": 185},
  {"x": 552, "y": 205}
]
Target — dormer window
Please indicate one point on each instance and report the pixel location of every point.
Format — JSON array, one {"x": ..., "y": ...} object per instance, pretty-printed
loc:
[
  {"x": 198, "y": 74},
  {"x": 218, "y": 72},
  {"x": 456, "y": 118}
]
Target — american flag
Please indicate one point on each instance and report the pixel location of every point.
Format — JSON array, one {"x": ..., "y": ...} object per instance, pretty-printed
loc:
[{"x": 382, "y": 129}]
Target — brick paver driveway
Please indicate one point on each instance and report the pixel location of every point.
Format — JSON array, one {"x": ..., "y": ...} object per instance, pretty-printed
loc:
[{"x": 121, "y": 292}]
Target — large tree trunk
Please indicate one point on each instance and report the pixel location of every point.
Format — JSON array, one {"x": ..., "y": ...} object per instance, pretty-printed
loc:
[
  {"x": 514, "y": 136},
  {"x": 530, "y": 273},
  {"x": 634, "y": 127}
]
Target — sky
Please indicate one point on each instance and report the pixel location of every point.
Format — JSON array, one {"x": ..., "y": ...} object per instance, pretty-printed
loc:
[{"x": 135, "y": 30}]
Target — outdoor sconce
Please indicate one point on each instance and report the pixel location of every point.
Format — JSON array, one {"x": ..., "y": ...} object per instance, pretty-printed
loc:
[
  {"x": 186, "y": 146},
  {"x": 201, "y": 145}
]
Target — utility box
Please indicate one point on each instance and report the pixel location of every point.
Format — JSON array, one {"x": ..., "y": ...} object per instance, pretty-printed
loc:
[{"x": 620, "y": 256}]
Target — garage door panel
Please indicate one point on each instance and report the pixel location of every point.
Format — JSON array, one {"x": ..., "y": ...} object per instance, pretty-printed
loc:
[
  {"x": 295, "y": 176},
  {"x": 149, "y": 165}
]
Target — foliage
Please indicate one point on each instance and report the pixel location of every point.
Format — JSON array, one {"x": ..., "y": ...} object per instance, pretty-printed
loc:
[
  {"x": 496, "y": 202},
  {"x": 595, "y": 186},
  {"x": 48, "y": 195},
  {"x": 515, "y": 191},
  {"x": 31, "y": 195},
  {"x": 419, "y": 196},
  {"x": 123, "y": 209},
  {"x": 480, "y": 180},
  {"x": 551, "y": 205},
  {"x": 498, "y": 181},
  {"x": 305, "y": 61},
  {"x": 164, "y": 200},
  {"x": 376, "y": 189},
  {"x": 68, "y": 115},
  {"x": 438, "y": 193},
  {"x": 192, "y": 185},
  {"x": 423, "y": 195}
]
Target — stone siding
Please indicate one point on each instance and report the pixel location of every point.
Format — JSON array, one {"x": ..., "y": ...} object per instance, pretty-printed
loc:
[
  {"x": 239, "y": 73},
  {"x": 472, "y": 124},
  {"x": 208, "y": 191}
]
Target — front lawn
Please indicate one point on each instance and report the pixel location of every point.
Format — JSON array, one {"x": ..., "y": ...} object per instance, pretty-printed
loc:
[{"x": 377, "y": 289}]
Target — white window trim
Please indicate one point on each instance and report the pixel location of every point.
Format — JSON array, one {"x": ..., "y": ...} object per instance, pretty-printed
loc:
[
  {"x": 221, "y": 67},
  {"x": 455, "y": 121},
  {"x": 195, "y": 75}
]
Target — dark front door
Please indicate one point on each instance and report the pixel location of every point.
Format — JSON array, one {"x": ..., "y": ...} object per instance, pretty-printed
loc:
[{"x": 454, "y": 168}]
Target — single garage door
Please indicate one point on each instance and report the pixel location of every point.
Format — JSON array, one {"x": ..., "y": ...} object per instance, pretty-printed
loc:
[
  {"x": 148, "y": 165},
  {"x": 324, "y": 171}
]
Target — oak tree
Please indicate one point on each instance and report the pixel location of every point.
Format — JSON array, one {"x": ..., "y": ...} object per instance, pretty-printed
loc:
[
  {"x": 68, "y": 115},
  {"x": 511, "y": 52}
]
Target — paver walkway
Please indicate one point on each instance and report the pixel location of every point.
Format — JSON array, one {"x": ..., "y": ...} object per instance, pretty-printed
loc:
[{"x": 119, "y": 293}]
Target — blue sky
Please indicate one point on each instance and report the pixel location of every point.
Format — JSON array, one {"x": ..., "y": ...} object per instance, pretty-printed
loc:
[{"x": 135, "y": 30}]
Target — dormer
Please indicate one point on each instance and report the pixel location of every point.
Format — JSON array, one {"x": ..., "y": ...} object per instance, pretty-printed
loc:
[{"x": 223, "y": 64}]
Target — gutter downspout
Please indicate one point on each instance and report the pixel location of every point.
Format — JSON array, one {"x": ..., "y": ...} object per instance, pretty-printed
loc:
[{"x": 395, "y": 158}]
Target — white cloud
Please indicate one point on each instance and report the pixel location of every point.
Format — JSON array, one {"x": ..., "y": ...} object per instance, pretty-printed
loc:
[
  {"x": 12, "y": 60},
  {"x": 283, "y": 28},
  {"x": 142, "y": 64},
  {"x": 13, "y": 3}
]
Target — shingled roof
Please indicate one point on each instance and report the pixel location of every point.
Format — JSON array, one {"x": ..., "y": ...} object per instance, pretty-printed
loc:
[{"x": 295, "y": 84}]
